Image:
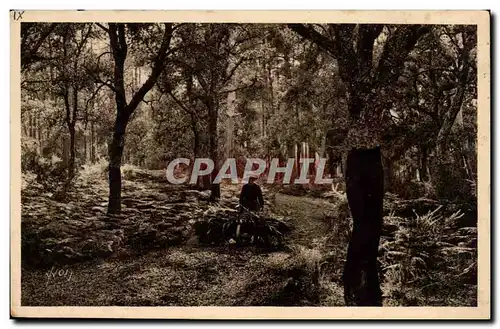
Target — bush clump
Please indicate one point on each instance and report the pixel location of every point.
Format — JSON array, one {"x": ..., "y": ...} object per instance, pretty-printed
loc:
[
  {"x": 225, "y": 225},
  {"x": 426, "y": 254}
]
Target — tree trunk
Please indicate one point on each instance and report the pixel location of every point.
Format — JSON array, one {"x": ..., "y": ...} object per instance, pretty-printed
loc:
[
  {"x": 332, "y": 164},
  {"x": 72, "y": 153},
  {"x": 389, "y": 179},
  {"x": 322, "y": 147},
  {"x": 92, "y": 143},
  {"x": 365, "y": 86},
  {"x": 365, "y": 191},
  {"x": 33, "y": 125},
  {"x": 451, "y": 115},
  {"x": 65, "y": 151},
  {"x": 443, "y": 166},
  {"x": 297, "y": 156},
  {"x": 213, "y": 142},
  {"x": 231, "y": 113},
  {"x": 39, "y": 136},
  {"x": 85, "y": 147},
  {"x": 201, "y": 183},
  {"x": 424, "y": 177},
  {"x": 196, "y": 141},
  {"x": 115, "y": 161}
]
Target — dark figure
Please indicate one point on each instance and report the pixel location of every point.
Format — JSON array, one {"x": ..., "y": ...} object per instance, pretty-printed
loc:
[
  {"x": 251, "y": 196},
  {"x": 365, "y": 192}
]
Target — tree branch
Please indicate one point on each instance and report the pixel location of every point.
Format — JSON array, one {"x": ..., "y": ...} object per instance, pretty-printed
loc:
[
  {"x": 340, "y": 48},
  {"x": 97, "y": 79},
  {"x": 102, "y": 27},
  {"x": 367, "y": 35},
  {"x": 94, "y": 94},
  {"x": 396, "y": 50},
  {"x": 83, "y": 41},
  {"x": 28, "y": 55},
  {"x": 235, "y": 67},
  {"x": 181, "y": 105},
  {"x": 312, "y": 35},
  {"x": 239, "y": 88},
  {"x": 158, "y": 66}
]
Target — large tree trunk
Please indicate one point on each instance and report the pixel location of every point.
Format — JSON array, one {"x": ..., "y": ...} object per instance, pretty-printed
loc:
[
  {"x": 365, "y": 191},
  {"x": 456, "y": 104},
  {"x": 118, "y": 43},
  {"x": 443, "y": 167},
  {"x": 115, "y": 150},
  {"x": 366, "y": 83}
]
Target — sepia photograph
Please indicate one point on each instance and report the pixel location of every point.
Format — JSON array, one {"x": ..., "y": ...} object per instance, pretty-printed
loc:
[{"x": 271, "y": 162}]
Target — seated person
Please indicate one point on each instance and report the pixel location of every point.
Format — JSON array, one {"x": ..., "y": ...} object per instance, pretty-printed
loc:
[{"x": 251, "y": 196}]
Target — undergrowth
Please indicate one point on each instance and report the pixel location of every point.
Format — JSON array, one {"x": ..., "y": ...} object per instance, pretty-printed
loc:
[{"x": 429, "y": 261}]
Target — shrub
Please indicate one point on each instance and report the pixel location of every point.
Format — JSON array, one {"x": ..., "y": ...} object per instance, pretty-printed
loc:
[
  {"x": 94, "y": 171},
  {"x": 225, "y": 225},
  {"x": 49, "y": 172},
  {"x": 426, "y": 254}
]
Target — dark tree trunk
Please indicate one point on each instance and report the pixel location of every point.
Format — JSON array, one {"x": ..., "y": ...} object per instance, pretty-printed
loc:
[
  {"x": 196, "y": 141},
  {"x": 92, "y": 143},
  {"x": 65, "y": 151},
  {"x": 72, "y": 153},
  {"x": 115, "y": 160},
  {"x": 364, "y": 171},
  {"x": 124, "y": 110},
  {"x": 115, "y": 150},
  {"x": 443, "y": 173},
  {"x": 86, "y": 147},
  {"x": 365, "y": 191},
  {"x": 332, "y": 162},
  {"x": 212, "y": 129},
  {"x": 215, "y": 188},
  {"x": 196, "y": 137},
  {"x": 72, "y": 133}
]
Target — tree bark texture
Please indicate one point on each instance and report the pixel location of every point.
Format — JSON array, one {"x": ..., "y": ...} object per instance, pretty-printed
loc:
[{"x": 365, "y": 192}]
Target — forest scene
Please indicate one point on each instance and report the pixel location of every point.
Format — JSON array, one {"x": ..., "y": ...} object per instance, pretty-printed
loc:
[{"x": 106, "y": 107}]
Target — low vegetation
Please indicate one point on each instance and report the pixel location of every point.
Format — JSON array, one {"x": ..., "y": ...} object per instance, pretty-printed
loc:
[{"x": 160, "y": 243}]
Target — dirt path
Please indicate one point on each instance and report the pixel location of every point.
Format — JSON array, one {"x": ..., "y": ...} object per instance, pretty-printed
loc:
[
  {"x": 318, "y": 226},
  {"x": 194, "y": 275},
  {"x": 308, "y": 216}
]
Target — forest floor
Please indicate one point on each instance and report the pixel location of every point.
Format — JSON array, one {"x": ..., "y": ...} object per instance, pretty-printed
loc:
[{"x": 75, "y": 255}]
